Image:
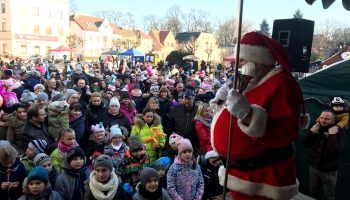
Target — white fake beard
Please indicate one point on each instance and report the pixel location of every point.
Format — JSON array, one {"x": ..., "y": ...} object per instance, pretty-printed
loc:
[{"x": 255, "y": 70}]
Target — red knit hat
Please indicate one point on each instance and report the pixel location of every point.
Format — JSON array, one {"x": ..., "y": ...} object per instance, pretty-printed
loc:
[{"x": 256, "y": 47}]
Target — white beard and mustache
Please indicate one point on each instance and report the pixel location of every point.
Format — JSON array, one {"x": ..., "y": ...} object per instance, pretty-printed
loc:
[{"x": 255, "y": 70}]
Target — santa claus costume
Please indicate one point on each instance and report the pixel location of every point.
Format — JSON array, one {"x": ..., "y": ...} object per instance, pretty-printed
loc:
[{"x": 265, "y": 124}]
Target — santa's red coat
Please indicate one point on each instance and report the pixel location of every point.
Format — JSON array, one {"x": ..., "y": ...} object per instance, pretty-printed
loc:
[{"x": 276, "y": 103}]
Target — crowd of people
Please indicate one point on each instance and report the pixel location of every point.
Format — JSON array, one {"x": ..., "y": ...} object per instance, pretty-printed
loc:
[{"x": 86, "y": 132}]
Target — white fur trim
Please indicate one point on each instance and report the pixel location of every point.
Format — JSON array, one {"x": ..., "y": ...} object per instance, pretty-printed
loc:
[
  {"x": 257, "y": 125},
  {"x": 257, "y": 54},
  {"x": 213, "y": 122},
  {"x": 304, "y": 120},
  {"x": 258, "y": 189}
]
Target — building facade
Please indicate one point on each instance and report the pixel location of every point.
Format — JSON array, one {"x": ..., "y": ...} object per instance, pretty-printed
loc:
[
  {"x": 33, "y": 27},
  {"x": 163, "y": 43}
]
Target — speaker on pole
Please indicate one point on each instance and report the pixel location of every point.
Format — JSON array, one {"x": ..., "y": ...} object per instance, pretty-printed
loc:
[{"x": 296, "y": 35}]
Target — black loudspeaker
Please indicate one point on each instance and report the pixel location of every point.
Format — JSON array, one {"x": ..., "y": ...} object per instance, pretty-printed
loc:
[{"x": 296, "y": 36}]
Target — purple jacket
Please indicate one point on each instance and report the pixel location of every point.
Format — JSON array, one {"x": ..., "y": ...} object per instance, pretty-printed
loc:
[{"x": 130, "y": 115}]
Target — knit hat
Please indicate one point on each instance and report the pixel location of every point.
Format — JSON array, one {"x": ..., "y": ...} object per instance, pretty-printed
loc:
[
  {"x": 77, "y": 89},
  {"x": 161, "y": 163},
  {"x": 78, "y": 68},
  {"x": 211, "y": 154},
  {"x": 40, "y": 158},
  {"x": 39, "y": 86},
  {"x": 8, "y": 72},
  {"x": 104, "y": 161},
  {"x": 4, "y": 143},
  {"x": 38, "y": 146},
  {"x": 154, "y": 88},
  {"x": 38, "y": 173},
  {"x": 56, "y": 96},
  {"x": 124, "y": 95},
  {"x": 146, "y": 174},
  {"x": 183, "y": 144},
  {"x": 27, "y": 96},
  {"x": 114, "y": 131},
  {"x": 173, "y": 138},
  {"x": 24, "y": 105},
  {"x": 42, "y": 96},
  {"x": 216, "y": 85},
  {"x": 97, "y": 127},
  {"x": 337, "y": 101},
  {"x": 75, "y": 152},
  {"x": 136, "y": 86},
  {"x": 69, "y": 93},
  {"x": 114, "y": 102},
  {"x": 56, "y": 106},
  {"x": 135, "y": 143}
]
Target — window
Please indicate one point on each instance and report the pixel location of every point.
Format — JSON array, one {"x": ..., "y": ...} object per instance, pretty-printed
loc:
[
  {"x": 60, "y": 31},
  {"x": 3, "y": 26},
  {"x": 23, "y": 28},
  {"x": 283, "y": 37},
  {"x": 104, "y": 41},
  {"x": 97, "y": 39},
  {"x": 4, "y": 47},
  {"x": 89, "y": 24},
  {"x": 37, "y": 50},
  {"x": 48, "y": 13},
  {"x": 36, "y": 29},
  {"x": 35, "y": 11},
  {"x": 23, "y": 49},
  {"x": 59, "y": 15},
  {"x": 97, "y": 53},
  {"x": 3, "y": 8},
  {"x": 90, "y": 39},
  {"x": 89, "y": 52},
  {"x": 22, "y": 10},
  {"x": 47, "y": 49},
  {"x": 48, "y": 30}
]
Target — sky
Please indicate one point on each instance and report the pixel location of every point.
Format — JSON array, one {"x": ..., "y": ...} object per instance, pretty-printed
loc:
[{"x": 253, "y": 10}]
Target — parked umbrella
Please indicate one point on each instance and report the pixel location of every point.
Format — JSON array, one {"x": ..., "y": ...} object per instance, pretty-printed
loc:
[{"x": 191, "y": 57}]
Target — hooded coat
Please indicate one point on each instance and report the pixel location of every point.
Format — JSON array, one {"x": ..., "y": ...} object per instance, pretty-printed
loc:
[{"x": 13, "y": 135}]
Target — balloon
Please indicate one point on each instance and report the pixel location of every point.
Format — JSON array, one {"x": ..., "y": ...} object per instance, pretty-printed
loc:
[
  {"x": 109, "y": 58},
  {"x": 10, "y": 99},
  {"x": 154, "y": 137}
]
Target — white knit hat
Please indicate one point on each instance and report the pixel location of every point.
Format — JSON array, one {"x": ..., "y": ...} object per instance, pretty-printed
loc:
[
  {"x": 97, "y": 127},
  {"x": 173, "y": 137},
  {"x": 114, "y": 131},
  {"x": 211, "y": 154}
]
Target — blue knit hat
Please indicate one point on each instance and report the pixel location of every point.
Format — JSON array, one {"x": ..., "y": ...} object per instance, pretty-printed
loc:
[
  {"x": 27, "y": 96},
  {"x": 38, "y": 173},
  {"x": 42, "y": 96}
]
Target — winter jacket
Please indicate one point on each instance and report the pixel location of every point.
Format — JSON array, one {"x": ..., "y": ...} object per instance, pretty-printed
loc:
[
  {"x": 28, "y": 196},
  {"x": 85, "y": 97},
  {"x": 181, "y": 121},
  {"x": 170, "y": 153},
  {"x": 32, "y": 132},
  {"x": 95, "y": 146},
  {"x": 145, "y": 132},
  {"x": 210, "y": 173},
  {"x": 75, "y": 78},
  {"x": 13, "y": 135},
  {"x": 17, "y": 174},
  {"x": 165, "y": 106},
  {"x": 116, "y": 155},
  {"x": 324, "y": 151},
  {"x": 137, "y": 99},
  {"x": 206, "y": 97},
  {"x": 65, "y": 184},
  {"x": 129, "y": 114},
  {"x": 185, "y": 183},
  {"x": 56, "y": 160},
  {"x": 165, "y": 195},
  {"x": 203, "y": 133},
  {"x": 93, "y": 115},
  {"x": 53, "y": 176},
  {"x": 341, "y": 118},
  {"x": 131, "y": 167},
  {"x": 78, "y": 126},
  {"x": 28, "y": 164},
  {"x": 56, "y": 122},
  {"x": 108, "y": 120}
]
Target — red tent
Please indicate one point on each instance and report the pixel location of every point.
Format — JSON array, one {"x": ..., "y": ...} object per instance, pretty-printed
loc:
[
  {"x": 62, "y": 49},
  {"x": 230, "y": 58}
]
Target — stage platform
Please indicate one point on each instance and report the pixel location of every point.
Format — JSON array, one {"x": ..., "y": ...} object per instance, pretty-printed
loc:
[{"x": 300, "y": 196}]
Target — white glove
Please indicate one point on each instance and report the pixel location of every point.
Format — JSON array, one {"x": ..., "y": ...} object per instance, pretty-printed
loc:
[
  {"x": 237, "y": 104},
  {"x": 222, "y": 92}
]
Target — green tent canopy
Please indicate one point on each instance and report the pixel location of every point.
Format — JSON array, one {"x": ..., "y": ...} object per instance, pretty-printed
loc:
[{"x": 316, "y": 88}]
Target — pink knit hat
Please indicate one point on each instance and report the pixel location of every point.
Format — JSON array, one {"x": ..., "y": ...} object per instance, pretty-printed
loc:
[{"x": 183, "y": 144}]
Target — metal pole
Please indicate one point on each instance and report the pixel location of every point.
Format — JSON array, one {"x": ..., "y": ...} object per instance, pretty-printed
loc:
[{"x": 239, "y": 34}]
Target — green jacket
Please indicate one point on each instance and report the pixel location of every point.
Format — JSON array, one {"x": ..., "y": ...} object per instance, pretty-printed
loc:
[
  {"x": 144, "y": 131},
  {"x": 28, "y": 164},
  {"x": 56, "y": 122},
  {"x": 56, "y": 160}
]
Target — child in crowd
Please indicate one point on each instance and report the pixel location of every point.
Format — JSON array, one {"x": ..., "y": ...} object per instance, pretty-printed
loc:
[
  {"x": 44, "y": 160},
  {"x": 58, "y": 115},
  {"x": 95, "y": 87},
  {"x": 66, "y": 141},
  {"x": 210, "y": 165},
  {"x": 38, "y": 88},
  {"x": 28, "y": 96},
  {"x": 134, "y": 161},
  {"x": 12, "y": 173},
  {"x": 103, "y": 182},
  {"x": 185, "y": 180},
  {"x": 150, "y": 187},
  {"x": 76, "y": 121},
  {"x": 36, "y": 186},
  {"x": 162, "y": 165},
  {"x": 116, "y": 148},
  {"x": 70, "y": 184},
  {"x": 171, "y": 150},
  {"x": 97, "y": 141},
  {"x": 34, "y": 148},
  {"x": 137, "y": 97}
]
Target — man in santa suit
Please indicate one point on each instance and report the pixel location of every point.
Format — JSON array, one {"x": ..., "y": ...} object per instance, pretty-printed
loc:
[{"x": 265, "y": 124}]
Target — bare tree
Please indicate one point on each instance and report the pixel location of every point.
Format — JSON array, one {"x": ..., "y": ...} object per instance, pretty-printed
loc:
[
  {"x": 227, "y": 31},
  {"x": 112, "y": 16},
  {"x": 191, "y": 45},
  {"x": 117, "y": 44},
  {"x": 73, "y": 41},
  {"x": 209, "y": 51},
  {"x": 151, "y": 21},
  {"x": 132, "y": 38},
  {"x": 72, "y": 6},
  {"x": 129, "y": 21},
  {"x": 172, "y": 20},
  {"x": 208, "y": 22}
]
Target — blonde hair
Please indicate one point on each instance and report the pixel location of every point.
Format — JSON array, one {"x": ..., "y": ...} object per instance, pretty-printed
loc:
[
  {"x": 201, "y": 108},
  {"x": 153, "y": 99},
  {"x": 95, "y": 94},
  {"x": 7, "y": 152}
]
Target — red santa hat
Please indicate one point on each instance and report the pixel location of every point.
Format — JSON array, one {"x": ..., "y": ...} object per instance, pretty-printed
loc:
[{"x": 258, "y": 48}]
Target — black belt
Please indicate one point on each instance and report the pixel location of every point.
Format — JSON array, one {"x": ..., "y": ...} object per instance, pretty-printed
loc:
[{"x": 266, "y": 158}]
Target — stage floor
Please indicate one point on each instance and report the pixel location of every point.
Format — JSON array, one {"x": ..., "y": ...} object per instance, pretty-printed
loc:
[{"x": 300, "y": 196}]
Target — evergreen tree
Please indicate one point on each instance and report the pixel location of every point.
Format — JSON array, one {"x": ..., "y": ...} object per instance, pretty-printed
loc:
[
  {"x": 264, "y": 28},
  {"x": 297, "y": 14}
]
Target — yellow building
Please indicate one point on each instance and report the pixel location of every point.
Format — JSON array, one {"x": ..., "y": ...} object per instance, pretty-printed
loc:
[
  {"x": 135, "y": 39},
  {"x": 163, "y": 43},
  {"x": 33, "y": 27},
  {"x": 200, "y": 44}
]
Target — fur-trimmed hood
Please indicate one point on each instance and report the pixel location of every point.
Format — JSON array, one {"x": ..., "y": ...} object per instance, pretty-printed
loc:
[
  {"x": 98, "y": 142},
  {"x": 138, "y": 120},
  {"x": 14, "y": 121}
]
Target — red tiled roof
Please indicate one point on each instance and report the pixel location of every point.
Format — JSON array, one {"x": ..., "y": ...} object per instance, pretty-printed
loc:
[
  {"x": 87, "y": 22},
  {"x": 163, "y": 35},
  {"x": 157, "y": 45}
]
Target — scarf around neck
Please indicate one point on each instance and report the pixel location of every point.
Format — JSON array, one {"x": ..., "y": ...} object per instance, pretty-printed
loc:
[
  {"x": 98, "y": 189},
  {"x": 64, "y": 148},
  {"x": 151, "y": 195},
  {"x": 205, "y": 121},
  {"x": 44, "y": 195},
  {"x": 81, "y": 176}
]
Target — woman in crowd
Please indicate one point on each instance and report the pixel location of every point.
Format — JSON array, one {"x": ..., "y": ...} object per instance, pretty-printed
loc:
[
  {"x": 202, "y": 124},
  {"x": 114, "y": 116},
  {"x": 127, "y": 107}
]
